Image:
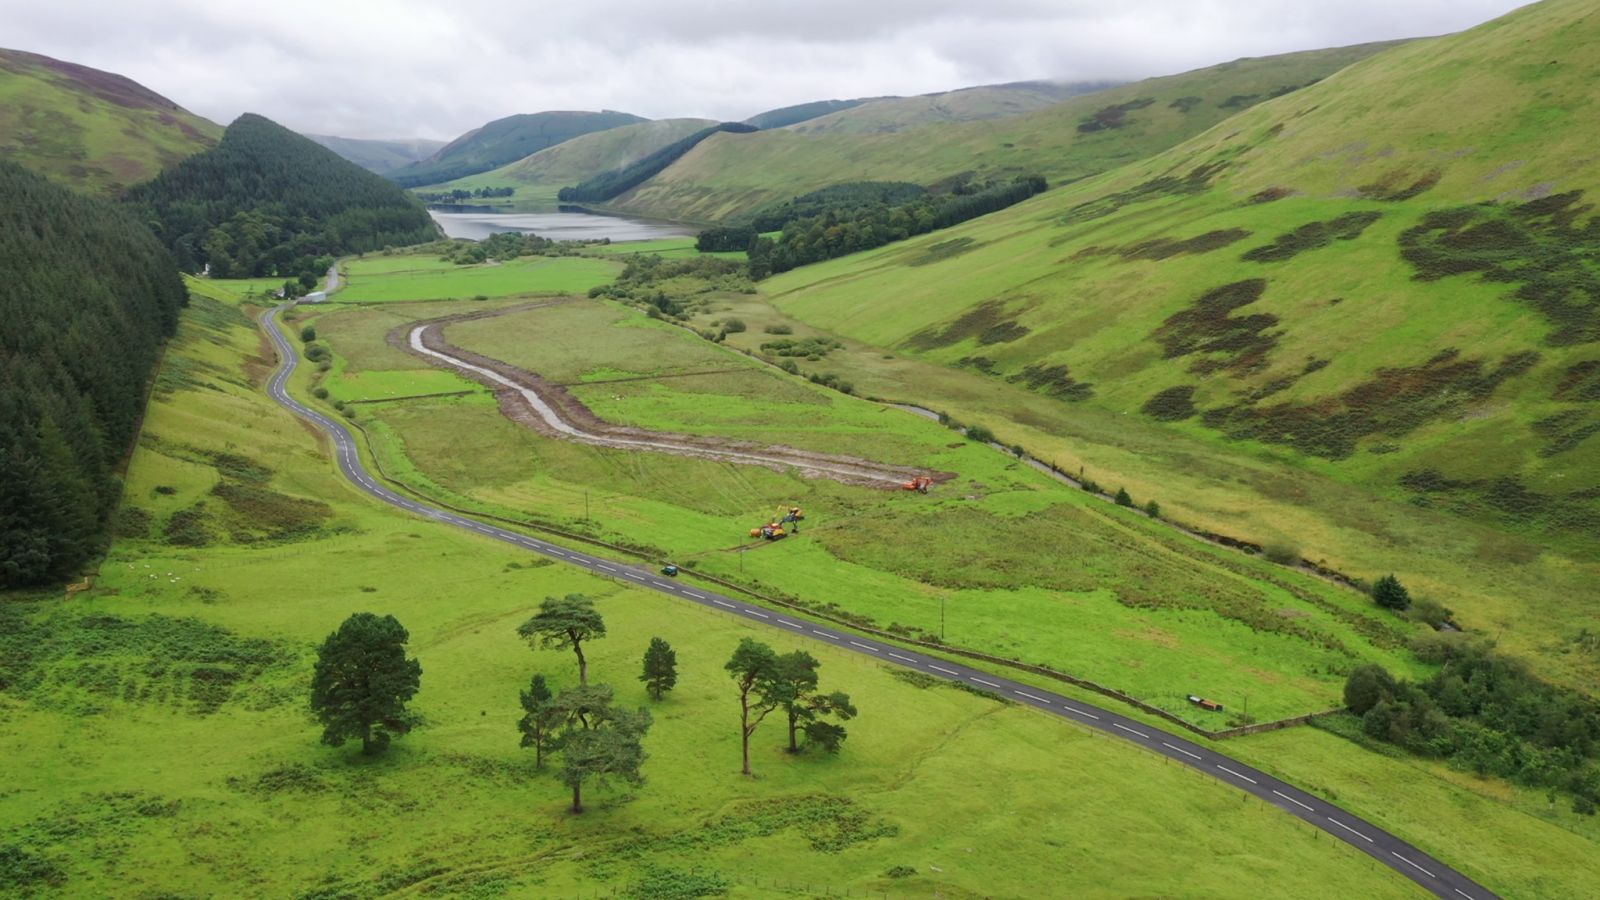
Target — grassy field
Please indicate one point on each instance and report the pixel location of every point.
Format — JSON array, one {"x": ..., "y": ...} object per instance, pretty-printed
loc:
[
  {"x": 425, "y": 277},
  {"x": 1169, "y": 615},
  {"x": 1273, "y": 346},
  {"x": 159, "y": 743},
  {"x": 93, "y": 131}
]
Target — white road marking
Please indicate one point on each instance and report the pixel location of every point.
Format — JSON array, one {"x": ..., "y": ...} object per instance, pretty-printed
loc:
[
  {"x": 1293, "y": 800},
  {"x": 1180, "y": 750},
  {"x": 556, "y": 553},
  {"x": 982, "y": 681},
  {"x": 901, "y": 658},
  {"x": 791, "y": 624},
  {"x": 1412, "y": 864},
  {"x": 1236, "y": 774},
  {"x": 944, "y": 670},
  {"x": 1349, "y": 829},
  {"x": 1465, "y": 894},
  {"x": 1130, "y": 730},
  {"x": 694, "y": 595},
  {"x": 866, "y": 647},
  {"x": 1087, "y": 715},
  {"x": 1030, "y": 696},
  {"x": 606, "y": 567},
  {"x": 831, "y": 637},
  {"x": 633, "y": 576},
  {"x": 724, "y": 603}
]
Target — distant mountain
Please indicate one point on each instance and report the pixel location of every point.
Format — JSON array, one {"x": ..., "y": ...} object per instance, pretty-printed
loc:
[
  {"x": 993, "y": 101},
  {"x": 801, "y": 112},
  {"x": 267, "y": 202},
  {"x": 724, "y": 177},
  {"x": 504, "y": 141},
  {"x": 536, "y": 178},
  {"x": 379, "y": 156},
  {"x": 91, "y": 130}
]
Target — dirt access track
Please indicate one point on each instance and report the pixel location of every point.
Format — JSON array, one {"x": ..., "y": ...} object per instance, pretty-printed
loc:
[{"x": 549, "y": 409}]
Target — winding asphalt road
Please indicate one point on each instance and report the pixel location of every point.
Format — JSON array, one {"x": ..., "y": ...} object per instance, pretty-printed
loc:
[{"x": 1393, "y": 852}]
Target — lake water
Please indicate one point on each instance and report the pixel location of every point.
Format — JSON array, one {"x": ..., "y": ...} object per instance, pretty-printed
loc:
[{"x": 477, "y": 223}]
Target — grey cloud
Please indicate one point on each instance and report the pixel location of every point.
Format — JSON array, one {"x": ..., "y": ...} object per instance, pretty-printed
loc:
[{"x": 411, "y": 68}]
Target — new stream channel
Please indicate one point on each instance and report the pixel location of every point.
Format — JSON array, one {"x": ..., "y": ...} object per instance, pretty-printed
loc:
[{"x": 566, "y": 224}]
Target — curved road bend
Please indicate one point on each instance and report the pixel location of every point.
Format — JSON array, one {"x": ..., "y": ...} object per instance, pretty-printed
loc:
[{"x": 1393, "y": 852}]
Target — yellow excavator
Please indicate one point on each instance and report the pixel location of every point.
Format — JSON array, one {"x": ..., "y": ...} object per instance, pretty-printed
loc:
[{"x": 773, "y": 530}]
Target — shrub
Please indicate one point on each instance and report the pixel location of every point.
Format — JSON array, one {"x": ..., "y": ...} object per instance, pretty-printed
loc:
[
  {"x": 733, "y": 326},
  {"x": 1431, "y": 612},
  {"x": 980, "y": 434},
  {"x": 316, "y": 353},
  {"x": 1366, "y": 686},
  {"x": 1123, "y": 498},
  {"x": 1389, "y": 593},
  {"x": 907, "y": 871},
  {"x": 778, "y": 328},
  {"x": 308, "y": 334},
  {"x": 1153, "y": 509},
  {"x": 321, "y": 393},
  {"x": 1282, "y": 552}
]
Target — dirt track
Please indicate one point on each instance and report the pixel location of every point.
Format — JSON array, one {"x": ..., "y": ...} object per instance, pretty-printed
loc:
[{"x": 548, "y": 408}]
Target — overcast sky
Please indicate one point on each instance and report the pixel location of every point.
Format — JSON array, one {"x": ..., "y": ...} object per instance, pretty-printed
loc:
[{"x": 435, "y": 68}]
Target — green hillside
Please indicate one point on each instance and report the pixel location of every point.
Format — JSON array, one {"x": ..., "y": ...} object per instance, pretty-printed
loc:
[
  {"x": 91, "y": 130},
  {"x": 727, "y": 176},
  {"x": 789, "y": 115},
  {"x": 267, "y": 202},
  {"x": 1364, "y": 317},
  {"x": 994, "y": 101},
  {"x": 379, "y": 156},
  {"x": 536, "y": 178},
  {"x": 503, "y": 141}
]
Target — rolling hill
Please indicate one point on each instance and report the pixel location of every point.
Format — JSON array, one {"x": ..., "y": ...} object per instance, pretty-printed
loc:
[
  {"x": 379, "y": 156},
  {"x": 268, "y": 202},
  {"x": 994, "y": 101},
  {"x": 1385, "y": 281},
  {"x": 536, "y": 178},
  {"x": 91, "y": 130},
  {"x": 503, "y": 141},
  {"x": 725, "y": 177}
]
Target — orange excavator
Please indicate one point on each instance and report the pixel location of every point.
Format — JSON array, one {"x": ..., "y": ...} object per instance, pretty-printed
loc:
[
  {"x": 919, "y": 484},
  {"x": 774, "y": 529}
]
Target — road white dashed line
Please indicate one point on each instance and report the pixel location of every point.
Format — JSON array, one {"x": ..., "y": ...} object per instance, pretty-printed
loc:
[
  {"x": 694, "y": 595},
  {"x": 1075, "y": 711},
  {"x": 1130, "y": 730},
  {"x": 944, "y": 670},
  {"x": 724, "y": 603},
  {"x": 1031, "y": 697},
  {"x": 791, "y": 624},
  {"x": 1236, "y": 774},
  {"x": 1294, "y": 801},
  {"x": 1349, "y": 829},
  {"x": 606, "y": 567},
  {"x": 1180, "y": 750},
  {"x": 984, "y": 682},
  {"x": 633, "y": 576},
  {"x": 1465, "y": 894},
  {"x": 759, "y": 615},
  {"x": 869, "y": 649},
  {"x": 901, "y": 658},
  {"x": 1412, "y": 864}
]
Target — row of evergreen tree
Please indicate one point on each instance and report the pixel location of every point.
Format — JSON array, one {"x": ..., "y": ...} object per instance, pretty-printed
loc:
[
  {"x": 267, "y": 202},
  {"x": 611, "y": 184},
  {"x": 843, "y": 229},
  {"x": 87, "y": 297}
]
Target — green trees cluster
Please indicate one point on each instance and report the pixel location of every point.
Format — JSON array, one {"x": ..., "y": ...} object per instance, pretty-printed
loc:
[
  {"x": 362, "y": 681},
  {"x": 842, "y": 230},
  {"x": 768, "y": 681},
  {"x": 1486, "y": 713},
  {"x": 87, "y": 296},
  {"x": 267, "y": 202},
  {"x": 461, "y": 195},
  {"x": 503, "y": 246},
  {"x": 611, "y": 184}
]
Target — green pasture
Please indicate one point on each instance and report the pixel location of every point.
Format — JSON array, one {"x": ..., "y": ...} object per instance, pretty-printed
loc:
[
  {"x": 204, "y": 773},
  {"x": 376, "y": 279}
]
